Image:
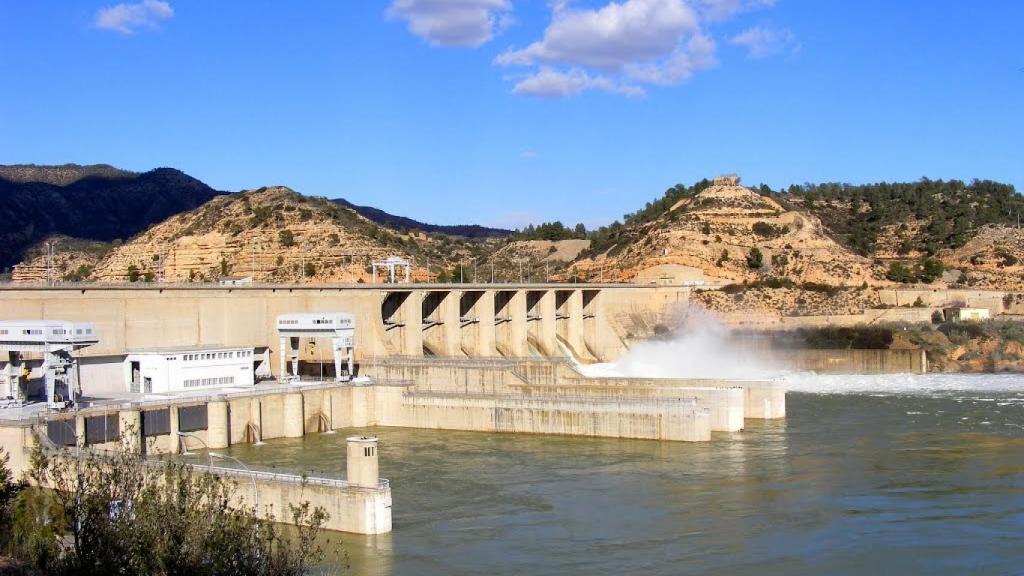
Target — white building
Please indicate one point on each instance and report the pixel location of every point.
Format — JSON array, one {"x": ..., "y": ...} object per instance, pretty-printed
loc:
[
  {"x": 961, "y": 314},
  {"x": 339, "y": 327},
  {"x": 189, "y": 368},
  {"x": 55, "y": 341}
]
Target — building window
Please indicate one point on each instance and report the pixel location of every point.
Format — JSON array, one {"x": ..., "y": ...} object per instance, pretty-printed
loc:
[
  {"x": 197, "y": 382},
  {"x": 368, "y": 451}
]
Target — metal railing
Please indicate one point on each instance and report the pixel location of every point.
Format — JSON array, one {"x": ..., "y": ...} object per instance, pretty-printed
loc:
[
  {"x": 263, "y": 474},
  {"x": 257, "y": 473},
  {"x": 195, "y": 399},
  {"x": 142, "y": 285}
]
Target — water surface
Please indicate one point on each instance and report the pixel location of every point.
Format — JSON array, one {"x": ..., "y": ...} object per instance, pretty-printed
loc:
[{"x": 893, "y": 475}]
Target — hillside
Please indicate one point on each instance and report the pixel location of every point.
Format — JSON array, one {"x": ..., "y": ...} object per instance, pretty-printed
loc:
[
  {"x": 720, "y": 227},
  {"x": 402, "y": 223},
  {"x": 902, "y": 219},
  {"x": 273, "y": 234},
  {"x": 97, "y": 203},
  {"x": 61, "y": 175},
  {"x": 992, "y": 258}
]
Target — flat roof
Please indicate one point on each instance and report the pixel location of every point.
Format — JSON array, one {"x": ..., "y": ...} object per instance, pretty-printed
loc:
[{"x": 181, "y": 349}]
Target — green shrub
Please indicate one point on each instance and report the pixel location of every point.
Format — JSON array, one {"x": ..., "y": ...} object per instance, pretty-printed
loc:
[
  {"x": 755, "y": 259},
  {"x": 285, "y": 238}
]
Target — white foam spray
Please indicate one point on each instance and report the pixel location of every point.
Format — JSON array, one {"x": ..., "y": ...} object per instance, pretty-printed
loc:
[
  {"x": 702, "y": 348},
  {"x": 705, "y": 348}
]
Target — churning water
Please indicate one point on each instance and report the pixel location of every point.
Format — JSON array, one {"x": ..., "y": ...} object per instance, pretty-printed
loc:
[{"x": 886, "y": 475}]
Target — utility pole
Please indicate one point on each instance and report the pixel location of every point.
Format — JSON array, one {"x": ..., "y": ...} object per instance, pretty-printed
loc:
[
  {"x": 492, "y": 272},
  {"x": 460, "y": 273},
  {"x": 520, "y": 271}
]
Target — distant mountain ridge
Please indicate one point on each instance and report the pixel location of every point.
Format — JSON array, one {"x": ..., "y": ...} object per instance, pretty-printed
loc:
[
  {"x": 96, "y": 202},
  {"x": 402, "y": 223},
  {"x": 62, "y": 175}
]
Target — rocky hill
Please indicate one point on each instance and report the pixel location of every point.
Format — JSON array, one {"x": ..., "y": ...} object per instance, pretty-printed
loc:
[
  {"x": 61, "y": 175},
  {"x": 96, "y": 203},
  {"x": 992, "y": 258},
  {"x": 732, "y": 234},
  {"x": 717, "y": 230},
  {"x": 272, "y": 234}
]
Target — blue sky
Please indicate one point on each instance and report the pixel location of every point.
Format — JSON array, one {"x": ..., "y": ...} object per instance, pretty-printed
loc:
[{"x": 508, "y": 111}]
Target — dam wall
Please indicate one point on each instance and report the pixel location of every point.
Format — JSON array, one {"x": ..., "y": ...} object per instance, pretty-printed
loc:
[
  {"x": 728, "y": 400},
  {"x": 458, "y": 320},
  {"x": 770, "y": 321},
  {"x": 996, "y": 301},
  {"x": 854, "y": 361},
  {"x": 652, "y": 419}
]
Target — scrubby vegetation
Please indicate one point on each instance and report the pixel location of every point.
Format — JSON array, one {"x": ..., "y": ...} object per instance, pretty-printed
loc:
[
  {"x": 118, "y": 514},
  {"x": 948, "y": 209},
  {"x": 550, "y": 231},
  {"x": 925, "y": 271}
]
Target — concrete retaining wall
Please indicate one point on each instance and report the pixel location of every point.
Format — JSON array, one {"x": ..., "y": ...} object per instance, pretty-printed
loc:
[{"x": 855, "y": 361}]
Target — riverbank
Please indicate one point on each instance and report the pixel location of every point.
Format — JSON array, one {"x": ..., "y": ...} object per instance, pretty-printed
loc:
[{"x": 994, "y": 346}]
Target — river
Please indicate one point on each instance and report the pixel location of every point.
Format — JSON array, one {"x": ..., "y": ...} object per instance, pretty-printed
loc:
[{"x": 891, "y": 475}]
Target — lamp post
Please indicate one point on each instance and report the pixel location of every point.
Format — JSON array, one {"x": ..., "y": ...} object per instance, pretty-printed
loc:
[
  {"x": 185, "y": 446},
  {"x": 255, "y": 490}
]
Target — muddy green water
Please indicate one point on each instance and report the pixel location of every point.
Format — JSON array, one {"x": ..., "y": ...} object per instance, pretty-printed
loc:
[{"x": 883, "y": 482}]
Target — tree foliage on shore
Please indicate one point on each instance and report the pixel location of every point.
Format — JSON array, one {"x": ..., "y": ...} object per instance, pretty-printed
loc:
[
  {"x": 550, "y": 231},
  {"x": 949, "y": 209},
  {"x": 119, "y": 514}
]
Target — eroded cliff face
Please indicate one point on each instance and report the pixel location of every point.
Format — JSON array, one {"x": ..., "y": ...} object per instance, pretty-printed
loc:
[
  {"x": 992, "y": 259},
  {"x": 715, "y": 231}
]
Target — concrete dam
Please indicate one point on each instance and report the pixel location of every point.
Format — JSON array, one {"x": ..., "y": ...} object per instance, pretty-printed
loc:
[{"x": 489, "y": 358}]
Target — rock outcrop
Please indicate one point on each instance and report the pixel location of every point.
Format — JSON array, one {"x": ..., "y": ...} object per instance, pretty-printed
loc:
[{"x": 715, "y": 231}]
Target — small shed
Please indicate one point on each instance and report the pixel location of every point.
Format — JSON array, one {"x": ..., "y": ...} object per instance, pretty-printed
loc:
[{"x": 961, "y": 314}]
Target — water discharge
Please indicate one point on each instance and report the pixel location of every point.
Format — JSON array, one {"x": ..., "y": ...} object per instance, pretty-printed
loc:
[{"x": 702, "y": 347}]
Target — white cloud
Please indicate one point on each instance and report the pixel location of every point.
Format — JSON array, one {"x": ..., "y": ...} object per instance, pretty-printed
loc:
[
  {"x": 454, "y": 22},
  {"x": 549, "y": 82},
  {"x": 615, "y": 48},
  {"x": 528, "y": 154},
  {"x": 128, "y": 18},
  {"x": 609, "y": 37},
  {"x": 697, "y": 54},
  {"x": 621, "y": 46},
  {"x": 722, "y": 9},
  {"x": 762, "y": 41}
]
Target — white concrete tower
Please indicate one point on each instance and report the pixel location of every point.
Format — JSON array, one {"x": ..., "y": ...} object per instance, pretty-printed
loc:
[{"x": 362, "y": 461}]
